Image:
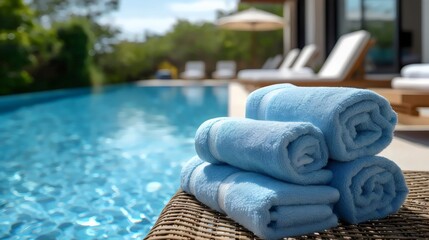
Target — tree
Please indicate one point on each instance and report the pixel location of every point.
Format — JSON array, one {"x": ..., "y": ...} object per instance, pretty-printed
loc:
[
  {"x": 74, "y": 60},
  {"x": 186, "y": 41},
  {"x": 61, "y": 10},
  {"x": 15, "y": 45},
  {"x": 128, "y": 61},
  {"x": 70, "y": 62},
  {"x": 49, "y": 12}
]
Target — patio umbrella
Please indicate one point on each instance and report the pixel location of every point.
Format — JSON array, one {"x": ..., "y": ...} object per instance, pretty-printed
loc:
[{"x": 251, "y": 20}]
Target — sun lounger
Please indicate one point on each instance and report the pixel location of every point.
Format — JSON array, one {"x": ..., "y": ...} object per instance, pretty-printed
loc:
[
  {"x": 406, "y": 102},
  {"x": 300, "y": 66},
  {"x": 194, "y": 70},
  {"x": 420, "y": 84},
  {"x": 306, "y": 57},
  {"x": 343, "y": 67},
  {"x": 408, "y": 94},
  {"x": 286, "y": 64},
  {"x": 186, "y": 218},
  {"x": 420, "y": 70},
  {"x": 273, "y": 62},
  {"x": 224, "y": 70}
]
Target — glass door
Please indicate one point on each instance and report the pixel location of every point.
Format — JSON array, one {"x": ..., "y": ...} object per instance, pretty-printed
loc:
[{"x": 380, "y": 18}]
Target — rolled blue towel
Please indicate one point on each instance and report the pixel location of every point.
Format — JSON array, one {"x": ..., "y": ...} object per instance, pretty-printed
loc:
[
  {"x": 294, "y": 152},
  {"x": 370, "y": 188},
  {"x": 355, "y": 122},
  {"x": 269, "y": 208}
]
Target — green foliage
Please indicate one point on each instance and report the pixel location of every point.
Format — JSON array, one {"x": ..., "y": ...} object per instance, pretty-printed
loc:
[
  {"x": 73, "y": 62},
  {"x": 65, "y": 59},
  {"x": 63, "y": 45},
  {"x": 382, "y": 53},
  {"x": 52, "y": 12},
  {"x": 382, "y": 31},
  {"x": 14, "y": 14},
  {"x": 190, "y": 41},
  {"x": 62, "y": 10},
  {"x": 44, "y": 44},
  {"x": 58, "y": 55},
  {"x": 15, "y": 45},
  {"x": 125, "y": 62}
]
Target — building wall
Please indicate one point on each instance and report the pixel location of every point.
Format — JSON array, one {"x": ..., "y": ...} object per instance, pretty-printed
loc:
[
  {"x": 290, "y": 25},
  {"x": 315, "y": 26},
  {"x": 411, "y": 23},
  {"x": 425, "y": 30}
]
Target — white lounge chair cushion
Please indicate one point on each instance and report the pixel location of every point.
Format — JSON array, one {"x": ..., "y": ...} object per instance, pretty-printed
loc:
[
  {"x": 224, "y": 69},
  {"x": 415, "y": 71},
  {"x": 307, "y": 54},
  {"x": 286, "y": 64},
  {"x": 224, "y": 73},
  {"x": 192, "y": 74},
  {"x": 284, "y": 69},
  {"x": 344, "y": 55},
  {"x": 250, "y": 73},
  {"x": 194, "y": 70},
  {"x": 290, "y": 58},
  {"x": 273, "y": 62},
  {"x": 411, "y": 83},
  {"x": 226, "y": 65},
  {"x": 195, "y": 65},
  {"x": 274, "y": 74}
]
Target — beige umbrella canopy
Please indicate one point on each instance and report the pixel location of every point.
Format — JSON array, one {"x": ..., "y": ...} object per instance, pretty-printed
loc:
[{"x": 251, "y": 20}]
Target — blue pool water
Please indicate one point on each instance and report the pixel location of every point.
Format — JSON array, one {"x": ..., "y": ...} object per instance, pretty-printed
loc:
[{"x": 98, "y": 166}]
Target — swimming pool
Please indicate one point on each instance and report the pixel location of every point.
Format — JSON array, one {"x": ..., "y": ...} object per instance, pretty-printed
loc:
[{"x": 98, "y": 166}]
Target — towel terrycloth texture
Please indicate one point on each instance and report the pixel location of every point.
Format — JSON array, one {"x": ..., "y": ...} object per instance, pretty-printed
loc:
[
  {"x": 355, "y": 122},
  {"x": 370, "y": 188},
  {"x": 294, "y": 152},
  {"x": 270, "y": 208}
]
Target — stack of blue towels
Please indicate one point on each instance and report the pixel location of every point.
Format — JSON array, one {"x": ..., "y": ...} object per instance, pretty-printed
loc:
[{"x": 302, "y": 159}]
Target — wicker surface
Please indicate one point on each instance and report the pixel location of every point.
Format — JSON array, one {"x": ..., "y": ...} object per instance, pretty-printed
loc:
[{"x": 186, "y": 218}]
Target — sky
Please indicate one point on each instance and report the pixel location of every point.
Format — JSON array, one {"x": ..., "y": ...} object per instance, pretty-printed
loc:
[{"x": 134, "y": 17}]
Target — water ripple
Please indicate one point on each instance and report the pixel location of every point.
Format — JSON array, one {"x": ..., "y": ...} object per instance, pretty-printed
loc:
[{"x": 97, "y": 166}]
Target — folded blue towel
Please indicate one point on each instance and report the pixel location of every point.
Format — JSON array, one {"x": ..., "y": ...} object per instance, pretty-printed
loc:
[
  {"x": 370, "y": 188},
  {"x": 270, "y": 208},
  {"x": 294, "y": 152},
  {"x": 355, "y": 122}
]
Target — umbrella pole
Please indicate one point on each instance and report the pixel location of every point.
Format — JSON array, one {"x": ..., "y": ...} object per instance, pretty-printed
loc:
[{"x": 253, "y": 48}]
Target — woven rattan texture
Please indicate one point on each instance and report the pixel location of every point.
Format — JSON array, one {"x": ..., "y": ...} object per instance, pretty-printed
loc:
[{"x": 186, "y": 218}]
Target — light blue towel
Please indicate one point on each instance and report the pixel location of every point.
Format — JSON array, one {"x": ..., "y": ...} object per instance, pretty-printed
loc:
[
  {"x": 355, "y": 122},
  {"x": 293, "y": 152},
  {"x": 370, "y": 188},
  {"x": 269, "y": 208}
]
